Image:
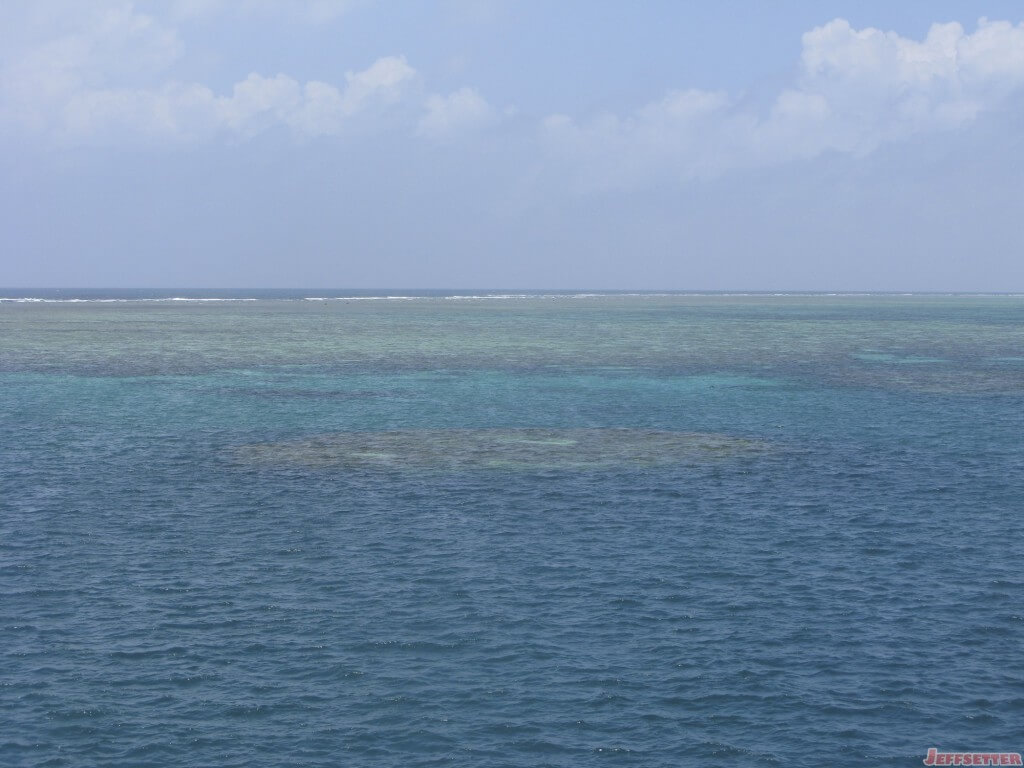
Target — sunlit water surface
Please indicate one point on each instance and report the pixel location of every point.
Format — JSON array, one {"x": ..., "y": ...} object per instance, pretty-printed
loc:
[{"x": 555, "y": 530}]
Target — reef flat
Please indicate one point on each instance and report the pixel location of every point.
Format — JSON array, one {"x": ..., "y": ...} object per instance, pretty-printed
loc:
[{"x": 518, "y": 449}]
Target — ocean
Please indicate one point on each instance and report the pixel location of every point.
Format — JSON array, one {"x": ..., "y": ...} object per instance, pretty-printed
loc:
[{"x": 511, "y": 528}]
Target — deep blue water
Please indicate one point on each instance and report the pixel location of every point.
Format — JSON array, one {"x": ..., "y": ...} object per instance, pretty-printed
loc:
[{"x": 202, "y": 563}]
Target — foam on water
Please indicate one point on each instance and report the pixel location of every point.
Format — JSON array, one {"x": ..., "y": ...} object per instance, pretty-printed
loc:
[
  {"x": 114, "y": 297},
  {"x": 197, "y": 299}
]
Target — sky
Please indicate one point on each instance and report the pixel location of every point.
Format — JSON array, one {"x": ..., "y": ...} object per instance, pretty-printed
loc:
[{"x": 676, "y": 145}]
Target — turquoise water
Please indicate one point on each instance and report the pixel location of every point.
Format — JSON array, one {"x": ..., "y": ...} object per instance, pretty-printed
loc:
[{"x": 531, "y": 530}]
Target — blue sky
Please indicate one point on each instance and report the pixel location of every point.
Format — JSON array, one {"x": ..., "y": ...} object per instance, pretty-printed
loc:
[{"x": 493, "y": 143}]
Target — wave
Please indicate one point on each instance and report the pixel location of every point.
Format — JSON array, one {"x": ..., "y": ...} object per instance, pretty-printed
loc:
[
  {"x": 41, "y": 300},
  {"x": 441, "y": 296}
]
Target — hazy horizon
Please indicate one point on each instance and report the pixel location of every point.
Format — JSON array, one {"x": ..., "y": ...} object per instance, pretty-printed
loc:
[{"x": 334, "y": 292}]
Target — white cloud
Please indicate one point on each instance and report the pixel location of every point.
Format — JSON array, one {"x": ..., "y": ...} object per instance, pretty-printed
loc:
[
  {"x": 449, "y": 116},
  {"x": 663, "y": 137},
  {"x": 316, "y": 108},
  {"x": 94, "y": 84},
  {"x": 102, "y": 72},
  {"x": 857, "y": 89},
  {"x": 111, "y": 42},
  {"x": 189, "y": 112},
  {"x": 383, "y": 80}
]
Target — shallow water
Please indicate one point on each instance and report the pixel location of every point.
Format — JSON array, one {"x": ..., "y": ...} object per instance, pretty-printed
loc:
[
  {"x": 552, "y": 530},
  {"x": 512, "y": 449}
]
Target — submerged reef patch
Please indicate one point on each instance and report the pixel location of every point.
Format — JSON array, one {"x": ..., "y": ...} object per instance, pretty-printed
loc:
[{"x": 515, "y": 449}]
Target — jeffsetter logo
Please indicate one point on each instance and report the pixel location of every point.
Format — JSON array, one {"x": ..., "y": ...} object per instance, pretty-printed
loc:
[{"x": 971, "y": 758}]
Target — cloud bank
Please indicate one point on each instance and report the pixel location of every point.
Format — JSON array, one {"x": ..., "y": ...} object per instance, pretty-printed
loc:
[
  {"x": 104, "y": 82},
  {"x": 102, "y": 78},
  {"x": 189, "y": 112},
  {"x": 450, "y": 116},
  {"x": 856, "y": 90}
]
